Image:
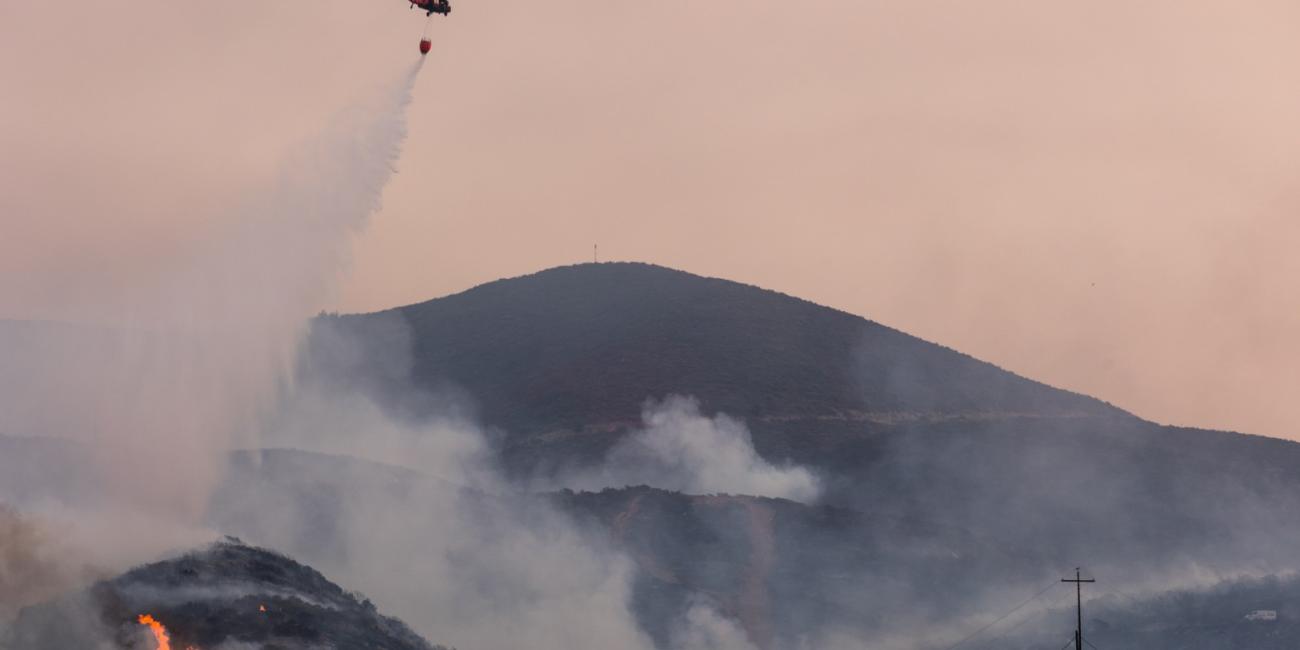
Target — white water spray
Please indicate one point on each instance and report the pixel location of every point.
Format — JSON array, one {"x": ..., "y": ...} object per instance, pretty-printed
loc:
[{"x": 192, "y": 359}]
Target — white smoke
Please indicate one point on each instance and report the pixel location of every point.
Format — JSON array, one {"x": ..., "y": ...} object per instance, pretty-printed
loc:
[
  {"x": 183, "y": 365},
  {"x": 484, "y": 568},
  {"x": 705, "y": 629},
  {"x": 198, "y": 361},
  {"x": 428, "y": 526},
  {"x": 201, "y": 358},
  {"x": 679, "y": 448},
  {"x": 179, "y": 370}
]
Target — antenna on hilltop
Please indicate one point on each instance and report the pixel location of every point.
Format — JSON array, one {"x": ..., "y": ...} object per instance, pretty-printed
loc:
[{"x": 595, "y": 253}]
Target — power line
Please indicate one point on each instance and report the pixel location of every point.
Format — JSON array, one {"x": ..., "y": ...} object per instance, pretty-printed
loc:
[
  {"x": 1004, "y": 616},
  {"x": 1006, "y": 633}
]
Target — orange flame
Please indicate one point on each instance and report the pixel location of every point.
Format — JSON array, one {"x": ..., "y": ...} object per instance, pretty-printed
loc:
[{"x": 159, "y": 632}]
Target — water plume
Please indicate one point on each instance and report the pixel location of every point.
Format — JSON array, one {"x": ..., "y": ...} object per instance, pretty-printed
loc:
[{"x": 157, "y": 392}]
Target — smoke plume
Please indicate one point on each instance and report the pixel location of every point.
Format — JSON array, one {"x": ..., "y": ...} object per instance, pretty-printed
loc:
[
  {"x": 189, "y": 359},
  {"x": 148, "y": 400},
  {"x": 679, "y": 448},
  {"x": 199, "y": 361},
  {"x": 424, "y": 522}
]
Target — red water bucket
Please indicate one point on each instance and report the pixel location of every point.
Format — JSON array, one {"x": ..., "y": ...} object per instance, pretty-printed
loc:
[{"x": 425, "y": 44}]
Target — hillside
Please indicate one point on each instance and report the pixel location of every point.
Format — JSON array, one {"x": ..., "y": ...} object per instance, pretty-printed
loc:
[
  {"x": 785, "y": 569},
  {"x": 579, "y": 349},
  {"x": 949, "y": 487},
  {"x": 561, "y": 362},
  {"x": 227, "y": 593}
]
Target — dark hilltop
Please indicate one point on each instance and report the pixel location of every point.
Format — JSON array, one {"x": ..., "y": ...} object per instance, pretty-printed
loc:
[
  {"x": 227, "y": 593},
  {"x": 582, "y": 346}
]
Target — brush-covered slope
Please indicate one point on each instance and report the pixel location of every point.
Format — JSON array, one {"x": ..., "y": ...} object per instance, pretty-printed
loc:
[{"x": 228, "y": 595}]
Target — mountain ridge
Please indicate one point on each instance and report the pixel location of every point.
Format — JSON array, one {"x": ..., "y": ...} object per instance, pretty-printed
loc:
[{"x": 565, "y": 340}]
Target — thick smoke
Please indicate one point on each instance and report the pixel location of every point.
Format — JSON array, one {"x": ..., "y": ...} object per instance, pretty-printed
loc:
[
  {"x": 152, "y": 397},
  {"x": 705, "y": 629},
  {"x": 187, "y": 362},
  {"x": 51, "y": 554},
  {"x": 679, "y": 448},
  {"x": 201, "y": 361},
  {"x": 28, "y": 572},
  {"x": 421, "y": 520}
]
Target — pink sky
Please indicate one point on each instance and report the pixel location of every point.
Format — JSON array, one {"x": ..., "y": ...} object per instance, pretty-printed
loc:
[{"x": 1100, "y": 195}]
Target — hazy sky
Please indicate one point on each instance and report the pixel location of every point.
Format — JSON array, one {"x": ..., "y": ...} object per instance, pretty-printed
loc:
[{"x": 1102, "y": 195}]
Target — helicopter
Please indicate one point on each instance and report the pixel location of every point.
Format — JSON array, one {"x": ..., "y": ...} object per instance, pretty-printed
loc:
[{"x": 430, "y": 8}]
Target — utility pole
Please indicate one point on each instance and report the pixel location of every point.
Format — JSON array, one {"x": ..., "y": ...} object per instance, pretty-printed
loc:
[
  {"x": 595, "y": 253},
  {"x": 1078, "y": 595}
]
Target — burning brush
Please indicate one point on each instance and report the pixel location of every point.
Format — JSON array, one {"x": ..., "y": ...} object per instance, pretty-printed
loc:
[{"x": 159, "y": 632}]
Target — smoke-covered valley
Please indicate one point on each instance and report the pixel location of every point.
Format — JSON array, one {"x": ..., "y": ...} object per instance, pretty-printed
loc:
[
  {"x": 604, "y": 455},
  {"x": 495, "y": 478},
  {"x": 941, "y": 490}
]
